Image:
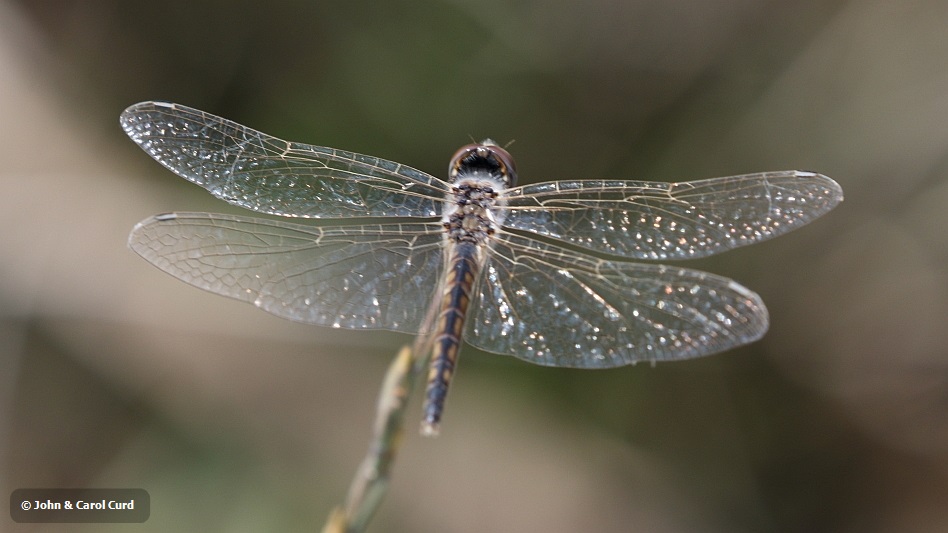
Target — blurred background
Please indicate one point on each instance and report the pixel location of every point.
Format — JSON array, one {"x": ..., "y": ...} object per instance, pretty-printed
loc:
[{"x": 113, "y": 374}]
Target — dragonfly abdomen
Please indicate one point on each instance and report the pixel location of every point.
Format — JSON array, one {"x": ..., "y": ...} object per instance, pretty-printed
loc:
[{"x": 462, "y": 273}]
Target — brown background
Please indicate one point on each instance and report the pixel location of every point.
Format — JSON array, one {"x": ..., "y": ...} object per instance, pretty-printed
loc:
[{"x": 113, "y": 374}]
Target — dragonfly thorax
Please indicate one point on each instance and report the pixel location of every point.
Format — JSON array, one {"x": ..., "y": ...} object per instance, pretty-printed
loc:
[{"x": 471, "y": 215}]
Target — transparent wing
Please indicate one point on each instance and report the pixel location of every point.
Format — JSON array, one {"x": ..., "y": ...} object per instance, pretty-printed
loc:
[
  {"x": 555, "y": 307},
  {"x": 256, "y": 171},
  {"x": 371, "y": 277},
  {"x": 651, "y": 220}
]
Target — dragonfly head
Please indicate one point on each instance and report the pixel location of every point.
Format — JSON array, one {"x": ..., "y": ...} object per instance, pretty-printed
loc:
[{"x": 485, "y": 157}]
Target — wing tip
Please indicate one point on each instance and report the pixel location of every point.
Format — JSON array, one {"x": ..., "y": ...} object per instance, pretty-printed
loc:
[
  {"x": 128, "y": 115},
  {"x": 835, "y": 190},
  {"x": 139, "y": 227}
]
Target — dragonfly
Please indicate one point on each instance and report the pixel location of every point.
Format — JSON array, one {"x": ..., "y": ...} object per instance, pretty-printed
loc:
[{"x": 550, "y": 273}]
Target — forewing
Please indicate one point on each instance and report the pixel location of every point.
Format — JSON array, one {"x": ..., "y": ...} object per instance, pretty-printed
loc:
[
  {"x": 256, "y": 171},
  {"x": 555, "y": 307},
  {"x": 652, "y": 220},
  {"x": 357, "y": 277}
]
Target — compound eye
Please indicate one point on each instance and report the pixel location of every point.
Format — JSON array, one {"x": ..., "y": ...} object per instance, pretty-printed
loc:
[
  {"x": 506, "y": 161},
  {"x": 486, "y": 155},
  {"x": 458, "y": 158}
]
